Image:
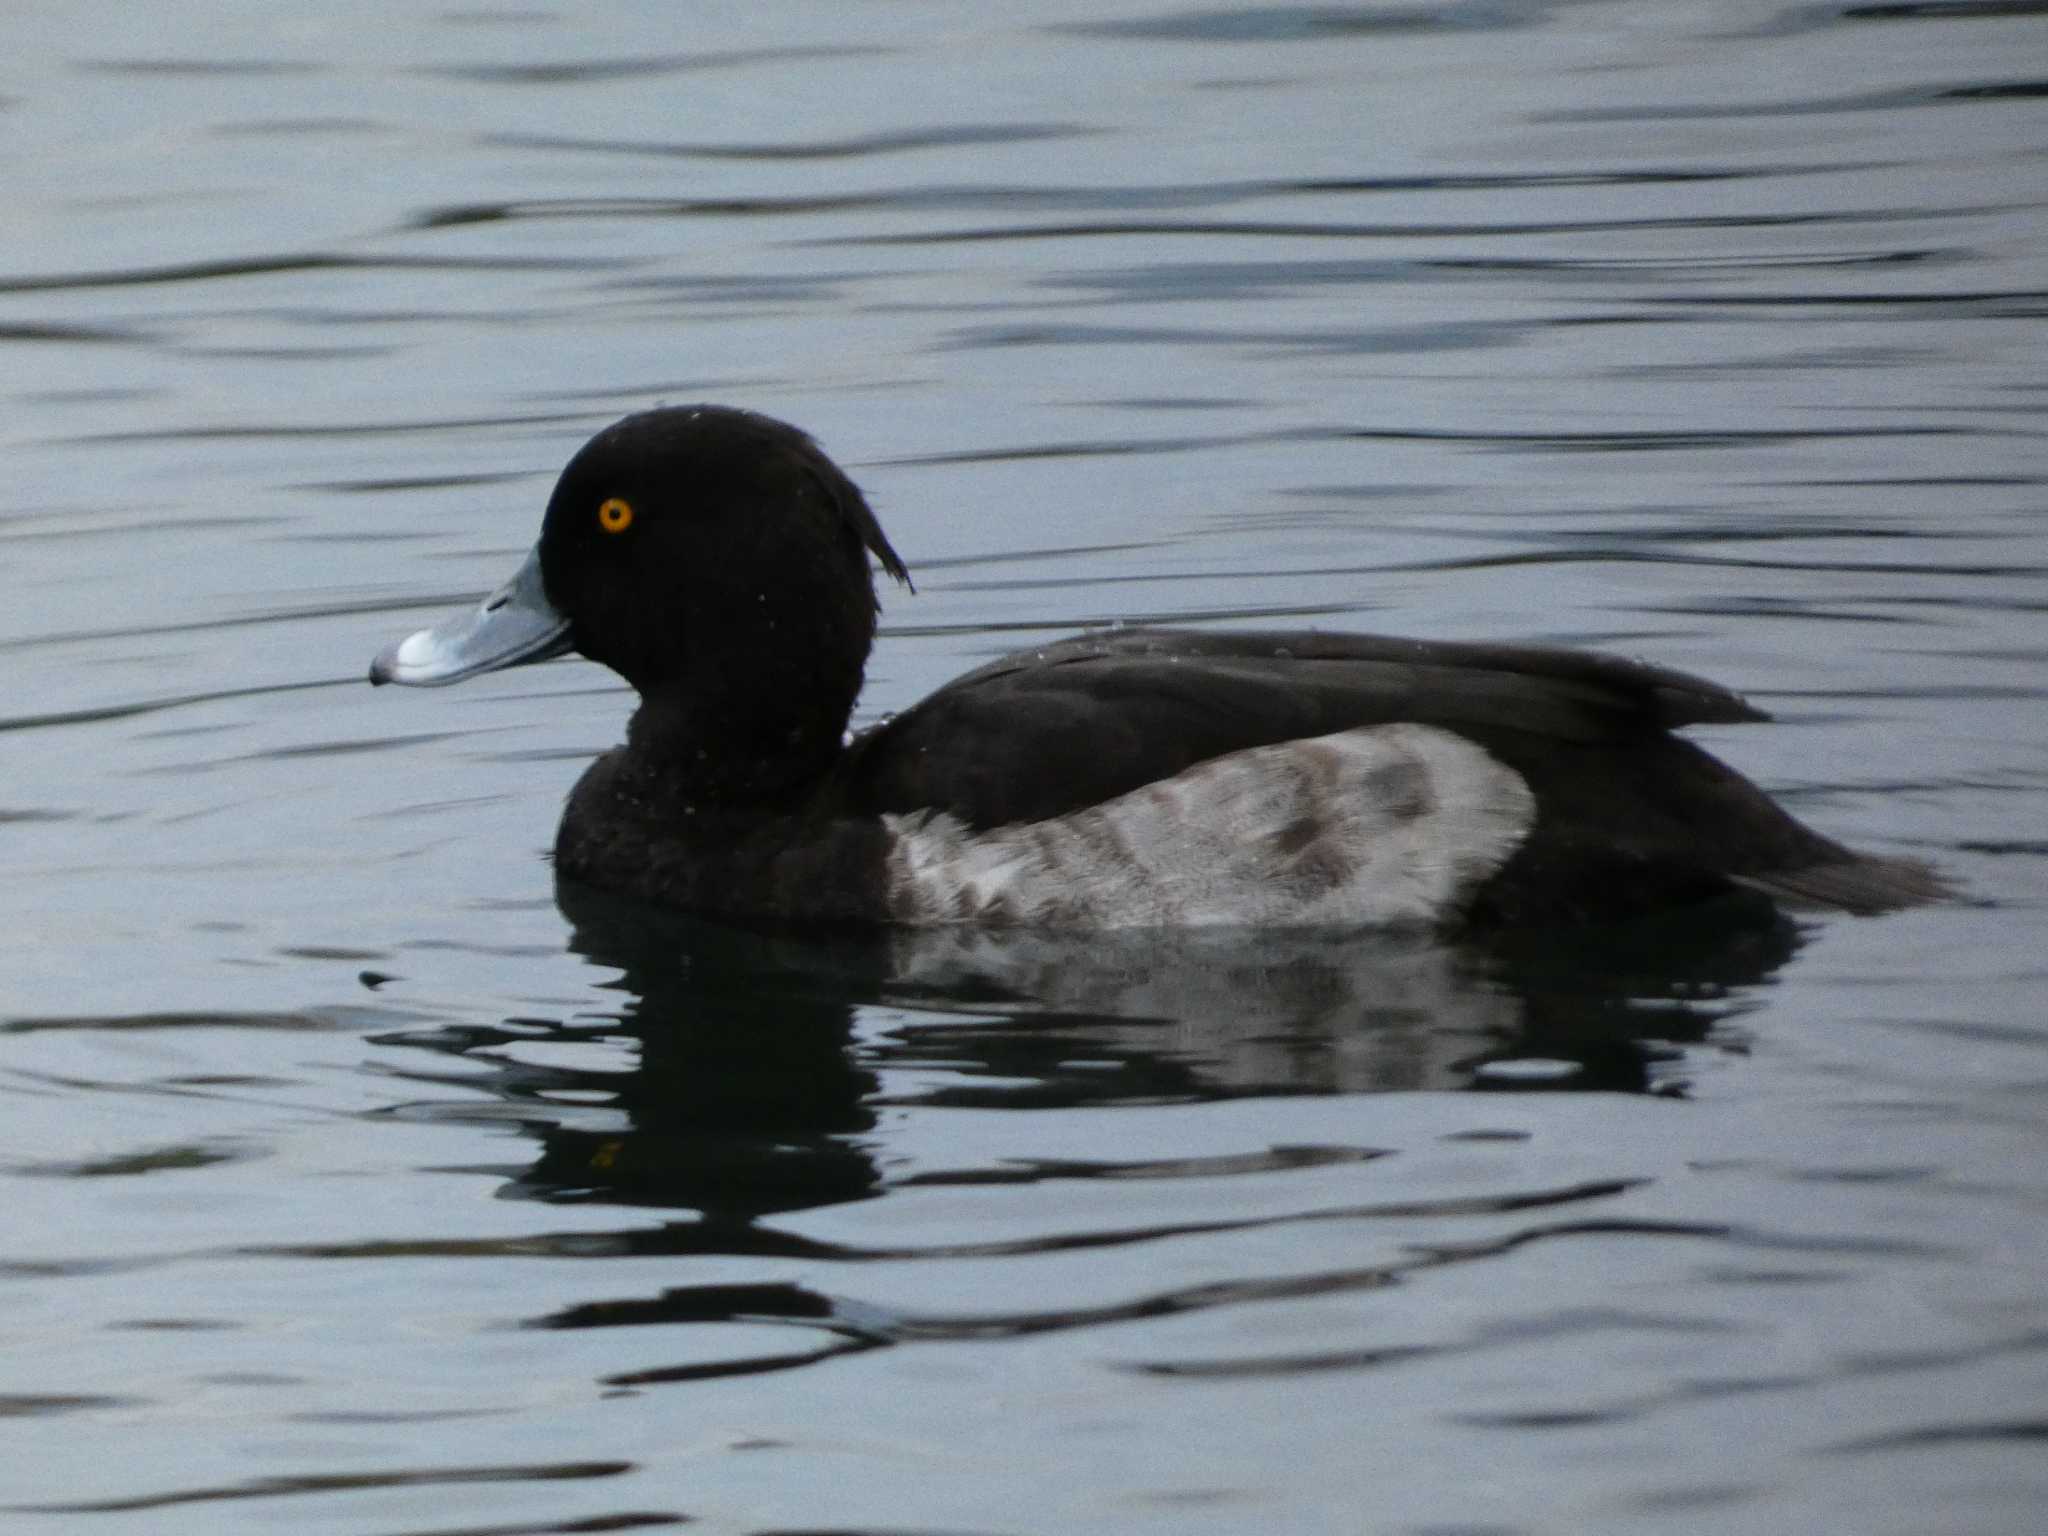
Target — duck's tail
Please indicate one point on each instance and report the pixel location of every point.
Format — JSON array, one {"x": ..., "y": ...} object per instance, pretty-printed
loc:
[{"x": 1855, "y": 882}]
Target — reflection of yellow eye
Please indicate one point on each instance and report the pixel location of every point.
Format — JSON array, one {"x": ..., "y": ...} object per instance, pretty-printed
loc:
[{"x": 615, "y": 516}]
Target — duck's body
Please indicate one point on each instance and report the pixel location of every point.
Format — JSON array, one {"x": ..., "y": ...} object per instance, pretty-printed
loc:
[{"x": 1119, "y": 779}]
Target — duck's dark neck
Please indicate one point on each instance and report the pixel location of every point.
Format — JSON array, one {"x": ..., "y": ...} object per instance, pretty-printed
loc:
[{"x": 733, "y": 748}]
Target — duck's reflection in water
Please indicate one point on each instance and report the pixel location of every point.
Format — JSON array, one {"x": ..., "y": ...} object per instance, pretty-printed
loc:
[
  {"x": 743, "y": 1075},
  {"x": 730, "y": 1079},
  {"x": 749, "y": 1091},
  {"x": 745, "y": 1098},
  {"x": 1213, "y": 1015}
]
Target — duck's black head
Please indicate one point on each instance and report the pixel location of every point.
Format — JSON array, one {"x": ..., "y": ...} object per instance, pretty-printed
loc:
[
  {"x": 716, "y": 560},
  {"x": 699, "y": 536}
]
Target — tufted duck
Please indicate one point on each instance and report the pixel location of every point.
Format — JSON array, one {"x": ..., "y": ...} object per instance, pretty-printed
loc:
[{"x": 718, "y": 561}]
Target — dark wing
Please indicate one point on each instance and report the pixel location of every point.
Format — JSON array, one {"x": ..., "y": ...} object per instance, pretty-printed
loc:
[{"x": 1045, "y": 731}]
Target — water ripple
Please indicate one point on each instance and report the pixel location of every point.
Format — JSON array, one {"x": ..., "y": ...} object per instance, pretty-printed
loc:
[
  {"x": 1335, "y": 229},
  {"x": 853, "y": 147},
  {"x": 584, "y": 71},
  {"x": 1040, "y": 1170},
  {"x": 1930, "y": 1436},
  {"x": 859, "y": 1326},
  {"x": 201, "y": 68},
  {"x": 174, "y": 1158},
  {"x": 1315, "y": 23},
  {"x": 30, "y": 1405},
  {"x": 1565, "y": 1323},
  {"x": 1893, "y": 100},
  {"x": 322, "y": 1021},
  {"x": 291, "y": 1486},
  {"x": 1826, "y": 17},
  {"x": 316, "y": 261},
  {"x": 96, "y": 714},
  {"x": 700, "y": 1238}
]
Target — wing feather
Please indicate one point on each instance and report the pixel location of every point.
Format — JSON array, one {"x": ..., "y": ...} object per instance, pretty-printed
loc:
[{"x": 1045, "y": 731}]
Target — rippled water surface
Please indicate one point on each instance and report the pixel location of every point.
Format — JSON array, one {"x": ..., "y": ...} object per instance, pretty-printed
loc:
[{"x": 354, "y": 1181}]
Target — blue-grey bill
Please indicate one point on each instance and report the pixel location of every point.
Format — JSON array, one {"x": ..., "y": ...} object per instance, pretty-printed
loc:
[{"x": 514, "y": 624}]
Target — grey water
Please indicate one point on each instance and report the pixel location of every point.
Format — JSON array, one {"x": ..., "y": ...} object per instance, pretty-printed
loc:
[{"x": 353, "y": 1179}]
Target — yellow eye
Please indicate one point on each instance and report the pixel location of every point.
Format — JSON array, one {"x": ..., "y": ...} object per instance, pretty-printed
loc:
[{"x": 615, "y": 516}]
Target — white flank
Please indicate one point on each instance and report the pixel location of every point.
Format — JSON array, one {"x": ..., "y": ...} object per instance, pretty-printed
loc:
[{"x": 1390, "y": 825}]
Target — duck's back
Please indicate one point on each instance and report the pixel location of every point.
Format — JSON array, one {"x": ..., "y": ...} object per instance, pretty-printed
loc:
[{"x": 1550, "y": 776}]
